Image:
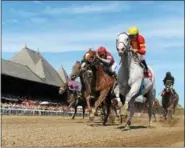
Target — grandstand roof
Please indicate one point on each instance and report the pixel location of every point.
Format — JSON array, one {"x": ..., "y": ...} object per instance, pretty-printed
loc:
[
  {"x": 27, "y": 63},
  {"x": 19, "y": 71},
  {"x": 62, "y": 73}
]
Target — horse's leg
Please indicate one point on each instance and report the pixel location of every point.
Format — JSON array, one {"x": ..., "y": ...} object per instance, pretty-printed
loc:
[
  {"x": 175, "y": 103},
  {"x": 154, "y": 117},
  {"x": 88, "y": 102},
  {"x": 115, "y": 110},
  {"x": 165, "y": 113},
  {"x": 103, "y": 114},
  {"x": 83, "y": 108},
  {"x": 121, "y": 112},
  {"x": 107, "y": 105},
  {"x": 154, "y": 113},
  {"x": 130, "y": 99},
  {"x": 101, "y": 98},
  {"x": 170, "y": 111},
  {"x": 74, "y": 112},
  {"x": 69, "y": 106},
  {"x": 150, "y": 98},
  {"x": 98, "y": 102}
]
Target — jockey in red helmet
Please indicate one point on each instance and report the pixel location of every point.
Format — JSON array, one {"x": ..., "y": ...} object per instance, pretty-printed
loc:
[{"x": 108, "y": 60}]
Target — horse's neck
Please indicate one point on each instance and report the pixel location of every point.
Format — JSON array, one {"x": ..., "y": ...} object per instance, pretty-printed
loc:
[
  {"x": 102, "y": 78},
  {"x": 125, "y": 66},
  {"x": 133, "y": 62},
  {"x": 86, "y": 86},
  {"x": 82, "y": 82},
  {"x": 99, "y": 74},
  {"x": 130, "y": 63},
  {"x": 127, "y": 70}
]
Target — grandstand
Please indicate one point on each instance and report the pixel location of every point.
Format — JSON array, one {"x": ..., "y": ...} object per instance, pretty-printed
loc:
[{"x": 28, "y": 73}]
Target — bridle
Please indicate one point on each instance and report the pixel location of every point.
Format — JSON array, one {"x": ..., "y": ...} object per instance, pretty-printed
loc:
[{"x": 126, "y": 47}]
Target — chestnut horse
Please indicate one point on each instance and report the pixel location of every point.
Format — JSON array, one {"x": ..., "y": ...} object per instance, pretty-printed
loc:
[
  {"x": 88, "y": 86},
  {"x": 104, "y": 85}
]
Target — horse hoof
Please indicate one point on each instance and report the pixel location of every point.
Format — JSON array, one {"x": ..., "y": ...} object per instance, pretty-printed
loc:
[
  {"x": 127, "y": 127},
  {"x": 104, "y": 124},
  {"x": 128, "y": 123}
]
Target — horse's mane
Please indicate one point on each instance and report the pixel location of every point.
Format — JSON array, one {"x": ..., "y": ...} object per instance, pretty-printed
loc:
[
  {"x": 84, "y": 80},
  {"x": 90, "y": 51}
]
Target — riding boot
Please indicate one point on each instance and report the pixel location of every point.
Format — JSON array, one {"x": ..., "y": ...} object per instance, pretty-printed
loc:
[{"x": 146, "y": 67}]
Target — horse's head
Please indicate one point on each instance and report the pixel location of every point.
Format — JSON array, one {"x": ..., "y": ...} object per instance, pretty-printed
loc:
[
  {"x": 90, "y": 56},
  {"x": 156, "y": 102},
  {"x": 168, "y": 85},
  {"x": 75, "y": 70},
  {"x": 122, "y": 43},
  {"x": 63, "y": 88}
]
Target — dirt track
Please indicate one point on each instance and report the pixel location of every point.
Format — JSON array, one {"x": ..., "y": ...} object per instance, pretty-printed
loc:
[{"x": 57, "y": 131}]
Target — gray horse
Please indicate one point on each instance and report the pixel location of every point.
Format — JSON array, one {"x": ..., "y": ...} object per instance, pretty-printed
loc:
[{"x": 131, "y": 79}]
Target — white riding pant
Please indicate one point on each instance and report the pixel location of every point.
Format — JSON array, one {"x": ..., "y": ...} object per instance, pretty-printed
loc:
[
  {"x": 141, "y": 57},
  {"x": 113, "y": 67}
]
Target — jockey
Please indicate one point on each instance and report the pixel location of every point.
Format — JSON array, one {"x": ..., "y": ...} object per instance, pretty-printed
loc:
[
  {"x": 108, "y": 61},
  {"x": 168, "y": 80},
  {"x": 73, "y": 86},
  {"x": 138, "y": 45}
]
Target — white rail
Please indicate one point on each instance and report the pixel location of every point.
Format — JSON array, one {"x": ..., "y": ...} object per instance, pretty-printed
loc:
[{"x": 35, "y": 112}]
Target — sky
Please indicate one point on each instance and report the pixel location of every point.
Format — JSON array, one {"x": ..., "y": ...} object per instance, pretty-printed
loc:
[{"x": 63, "y": 31}]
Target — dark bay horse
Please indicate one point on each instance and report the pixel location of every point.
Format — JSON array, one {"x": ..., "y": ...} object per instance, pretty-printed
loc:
[
  {"x": 169, "y": 102},
  {"x": 156, "y": 108},
  {"x": 75, "y": 99},
  {"x": 85, "y": 79}
]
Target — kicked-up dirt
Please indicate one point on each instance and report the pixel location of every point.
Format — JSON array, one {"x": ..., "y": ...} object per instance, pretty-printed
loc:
[{"x": 63, "y": 131}]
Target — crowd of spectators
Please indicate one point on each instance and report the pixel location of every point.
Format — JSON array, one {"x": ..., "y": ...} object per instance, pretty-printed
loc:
[
  {"x": 24, "y": 102},
  {"x": 34, "y": 106}
]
